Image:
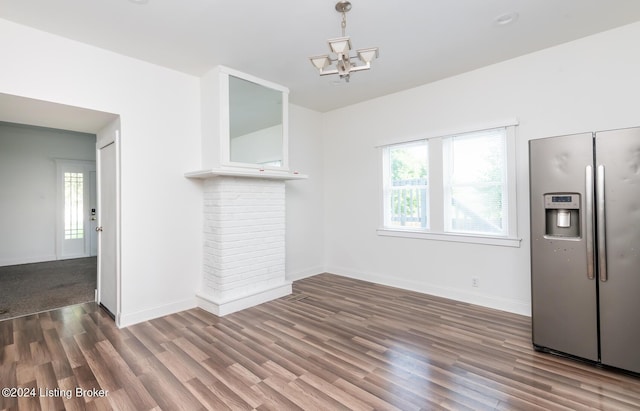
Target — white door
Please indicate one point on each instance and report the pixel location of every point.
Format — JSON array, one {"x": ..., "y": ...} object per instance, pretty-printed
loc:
[
  {"x": 74, "y": 198},
  {"x": 108, "y": 220}
]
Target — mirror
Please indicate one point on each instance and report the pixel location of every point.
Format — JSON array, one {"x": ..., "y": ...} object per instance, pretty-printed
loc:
[{"x": 256, "y": 132}]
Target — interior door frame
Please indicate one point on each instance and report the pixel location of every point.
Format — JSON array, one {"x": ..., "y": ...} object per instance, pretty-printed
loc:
[{"x": 110, "y": 134}]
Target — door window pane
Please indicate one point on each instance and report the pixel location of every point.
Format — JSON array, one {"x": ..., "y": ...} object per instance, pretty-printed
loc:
[{"x": 73, "y": 206}]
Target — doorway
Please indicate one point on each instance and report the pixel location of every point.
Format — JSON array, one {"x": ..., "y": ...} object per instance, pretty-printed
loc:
[
  {"x": 45, "y": 218},
  {"x": 36, "y": 113}
]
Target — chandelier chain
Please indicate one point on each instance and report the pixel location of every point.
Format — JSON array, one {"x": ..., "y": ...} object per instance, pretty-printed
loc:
[{"x": 344, "y": 23}]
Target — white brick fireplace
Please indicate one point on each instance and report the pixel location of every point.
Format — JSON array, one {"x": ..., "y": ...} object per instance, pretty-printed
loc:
[
  {"x": 244, "y": 243},
  {"x": 245, "y": 158}
]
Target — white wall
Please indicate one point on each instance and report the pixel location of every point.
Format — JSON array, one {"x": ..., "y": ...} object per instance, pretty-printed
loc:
[
  {"x": 28, "y": 188},
  {"x": 160, "y": 121},
  {"x": 589, "y": 84},
  {"x": 305, "y": 198}
]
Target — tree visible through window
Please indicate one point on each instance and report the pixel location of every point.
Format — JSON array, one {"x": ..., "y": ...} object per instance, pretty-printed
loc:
[
  {"x": 73, "y": 206},
  {"x": 475, "y": 182},
  {"x": 406, "y": 176},
  {"x": 465, "y": 193}
]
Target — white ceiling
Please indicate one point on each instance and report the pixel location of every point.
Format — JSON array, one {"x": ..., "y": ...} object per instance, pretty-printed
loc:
[
  {"x": 420, "y": 41},
  {"x": 22, "y": 110}
]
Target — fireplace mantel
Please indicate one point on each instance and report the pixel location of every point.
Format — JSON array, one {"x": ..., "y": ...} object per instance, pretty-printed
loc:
[{"x": 249, "y": 173}]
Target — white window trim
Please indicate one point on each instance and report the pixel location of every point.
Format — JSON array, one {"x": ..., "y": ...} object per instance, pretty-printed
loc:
[
  {"x": 436, "y": 209},
  {"x": 449, "y": 132},
  {"x": 458, "y": 238}
]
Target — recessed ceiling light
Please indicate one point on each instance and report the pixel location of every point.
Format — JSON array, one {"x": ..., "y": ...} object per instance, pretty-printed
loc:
[{"x": 506, "y": 18}]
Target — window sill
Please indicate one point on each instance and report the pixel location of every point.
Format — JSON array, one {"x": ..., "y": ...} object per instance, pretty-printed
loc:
[{"x": 459, "y": 238}]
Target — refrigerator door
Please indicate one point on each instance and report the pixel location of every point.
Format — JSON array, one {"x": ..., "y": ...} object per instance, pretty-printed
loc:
[
  {"x": 564, "y": 301},
  {"x": 618, "y": 152}
]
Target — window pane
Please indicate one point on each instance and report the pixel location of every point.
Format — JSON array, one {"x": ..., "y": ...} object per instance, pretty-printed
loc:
[
  {"x": 73, "y": 206},
  {"x": 406, "y": 179},
  {"x": 475, "y": 182}
]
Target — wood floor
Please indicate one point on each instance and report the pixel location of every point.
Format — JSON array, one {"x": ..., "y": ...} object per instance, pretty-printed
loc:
[{"x": 335, "y": 344}]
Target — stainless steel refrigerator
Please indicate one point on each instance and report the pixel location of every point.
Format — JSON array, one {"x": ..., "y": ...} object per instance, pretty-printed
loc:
[{"x": 585, "y": 246}]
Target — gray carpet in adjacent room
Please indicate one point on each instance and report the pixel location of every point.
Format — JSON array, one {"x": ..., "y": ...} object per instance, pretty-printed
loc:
[{"x": 30, "y": 288}]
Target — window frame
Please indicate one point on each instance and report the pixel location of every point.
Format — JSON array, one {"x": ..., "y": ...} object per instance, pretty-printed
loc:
[
  {"x": 449, "y": 160},
  {"x": 436, "y": 227},
  {"x": 74, "y": 197},
  {"x": 389, "y": 190}
]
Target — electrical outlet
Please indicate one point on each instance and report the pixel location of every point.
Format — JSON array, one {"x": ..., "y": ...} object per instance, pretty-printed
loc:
[{"x": 475, "y": 282}]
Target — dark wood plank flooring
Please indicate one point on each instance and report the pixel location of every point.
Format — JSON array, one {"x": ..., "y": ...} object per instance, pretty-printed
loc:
[{"x": 335, "y": 344}]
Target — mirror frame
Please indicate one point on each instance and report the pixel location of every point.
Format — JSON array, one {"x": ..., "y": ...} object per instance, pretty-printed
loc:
[{"x": 225, "y": 133}]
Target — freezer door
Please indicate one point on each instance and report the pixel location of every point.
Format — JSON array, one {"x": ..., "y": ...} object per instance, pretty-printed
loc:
[
  {"x": 618, "y": 152},
  {"x": 564, "y": 301}
]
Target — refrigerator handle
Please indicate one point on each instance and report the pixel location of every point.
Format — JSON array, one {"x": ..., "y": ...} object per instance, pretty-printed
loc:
[
  {"x": 589, "y": 221},
  {"x": 602, "y": 246}
]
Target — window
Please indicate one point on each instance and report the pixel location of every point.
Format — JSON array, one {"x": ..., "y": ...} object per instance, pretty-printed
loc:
[
  {"x": 73, "y": 206},
  {"x": 454, "y": 187},
  {"x": 474, "y": 183},
  {"x": 406, "y": 179}
]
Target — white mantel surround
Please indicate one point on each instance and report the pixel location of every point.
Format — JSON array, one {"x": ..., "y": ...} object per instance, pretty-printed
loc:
[{"x": 244, "y": 238}]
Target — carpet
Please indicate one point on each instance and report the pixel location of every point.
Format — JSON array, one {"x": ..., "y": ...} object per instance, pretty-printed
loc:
[{"x": 31, "y": 288}]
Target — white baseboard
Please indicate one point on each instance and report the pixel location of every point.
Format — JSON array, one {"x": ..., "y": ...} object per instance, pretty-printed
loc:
[
  {"x": 222, "y": 308},
  {"x": 28, "y": 260},
  {"x": 512, "y": 306},
  {"x": 219, "y": 308},
  {"x": 127, "y": 319},
  {"x": 310, "y": 272}
]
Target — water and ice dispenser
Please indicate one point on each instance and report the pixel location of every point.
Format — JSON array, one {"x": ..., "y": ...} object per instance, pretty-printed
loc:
[{"x": 562, "y": 214}]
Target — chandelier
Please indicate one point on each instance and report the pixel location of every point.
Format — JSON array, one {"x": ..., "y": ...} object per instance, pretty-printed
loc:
[{"x": 343, "y": 64}]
